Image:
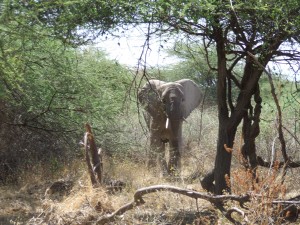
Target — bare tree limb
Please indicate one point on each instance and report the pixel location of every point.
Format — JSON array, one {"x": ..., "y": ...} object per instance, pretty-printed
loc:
[
  {"x": 279, "y": 112},
  {"x": 288, "y": 202},
  {"x": 264, "y": 163},
  {"x": 294, "y": 136},
  {"x": 229, "y": 212},
  {"x": 138, "y": 200}
]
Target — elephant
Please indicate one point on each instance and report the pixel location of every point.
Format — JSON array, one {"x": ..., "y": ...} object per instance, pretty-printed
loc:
[{"x": 167, "y": 105}]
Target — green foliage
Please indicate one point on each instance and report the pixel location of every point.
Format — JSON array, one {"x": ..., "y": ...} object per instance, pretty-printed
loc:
[
  {"x": 103, "y": 84},
  {"x": 289, "y": 100},
  {"x": 46, "y": 78},
  {"x": 75, "y": 22},
  {"x": 58, "y": 88},
  {"x": 194, "y": 63}
]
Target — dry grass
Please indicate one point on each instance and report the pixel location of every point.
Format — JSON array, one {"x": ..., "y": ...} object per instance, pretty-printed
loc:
[{"x": 84, "y": 205}]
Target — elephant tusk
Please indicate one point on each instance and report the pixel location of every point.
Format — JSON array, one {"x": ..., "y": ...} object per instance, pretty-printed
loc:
[{"x": 167, "y": 123}]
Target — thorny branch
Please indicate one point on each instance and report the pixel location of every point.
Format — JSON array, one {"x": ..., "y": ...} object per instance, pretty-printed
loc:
[{"x": 279, "y": 126}]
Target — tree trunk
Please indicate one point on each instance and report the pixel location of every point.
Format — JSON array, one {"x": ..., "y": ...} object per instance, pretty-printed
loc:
[
  {"x": 225, "y": 135},
  {"x": 97, "y": 163},
  {"x": 250, "y": 131},
  {"x": 228, "y": 124},
  {"x": 223, "y": 158}
]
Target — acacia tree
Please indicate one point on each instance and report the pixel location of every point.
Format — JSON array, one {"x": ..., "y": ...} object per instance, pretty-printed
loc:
[{"x": 248, "y": 34}]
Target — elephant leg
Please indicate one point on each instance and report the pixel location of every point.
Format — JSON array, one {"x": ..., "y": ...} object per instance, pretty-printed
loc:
[
  {"x": 155, "y": 152},
  {"x": 156, "y": 149},
  {"x": 156, "y": 159},
  {"x": 156, "y": 155},
  {"x": 161, "y": 162},
  {"x": 174, "y": 164}
]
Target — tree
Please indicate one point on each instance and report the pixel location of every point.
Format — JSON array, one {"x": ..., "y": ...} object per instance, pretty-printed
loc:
[
  {"x": 239, "y": 30},
  {"x": 250, "y": 34}
]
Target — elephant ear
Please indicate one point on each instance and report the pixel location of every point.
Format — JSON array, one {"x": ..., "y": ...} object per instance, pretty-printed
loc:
[
  {"x": 192, "y": 96},
  {"x": 149, "y": 96}
]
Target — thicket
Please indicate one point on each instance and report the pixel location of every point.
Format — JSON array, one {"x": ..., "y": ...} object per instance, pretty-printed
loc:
[{"x": 48, "y": 91}]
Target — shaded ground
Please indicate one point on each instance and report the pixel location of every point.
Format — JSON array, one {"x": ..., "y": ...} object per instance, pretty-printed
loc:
[{"x": 17, "y": 205}]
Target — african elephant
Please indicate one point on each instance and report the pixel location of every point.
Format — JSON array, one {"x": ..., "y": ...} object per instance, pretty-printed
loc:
[{"x": 167, "y": 105}]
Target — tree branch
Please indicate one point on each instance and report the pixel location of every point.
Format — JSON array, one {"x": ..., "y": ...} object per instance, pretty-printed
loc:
[
  {"x": 279, "y": 112},
  {"x": 264, "y": 163},
  {"x": 232, "y": 210},
  {"x": 294, "y": 136}
]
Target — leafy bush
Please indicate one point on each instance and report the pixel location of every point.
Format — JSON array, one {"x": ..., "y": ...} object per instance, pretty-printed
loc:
[{"x": 48, "y": 92}]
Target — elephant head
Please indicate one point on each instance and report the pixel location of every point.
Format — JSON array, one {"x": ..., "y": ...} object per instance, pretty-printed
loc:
[{"x": 167, "y": 105}]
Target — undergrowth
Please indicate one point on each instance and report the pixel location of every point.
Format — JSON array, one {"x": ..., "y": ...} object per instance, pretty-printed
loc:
[{"x": 84, "y": 204}]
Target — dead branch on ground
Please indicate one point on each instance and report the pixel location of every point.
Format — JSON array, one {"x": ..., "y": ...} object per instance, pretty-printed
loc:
[
  {"x": 229, "y": 212},
  {"x": 214, "y": 199}
]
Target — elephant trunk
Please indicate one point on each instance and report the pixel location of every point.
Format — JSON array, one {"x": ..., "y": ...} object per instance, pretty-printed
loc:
[
  {"x": 173, "y": 110},
  {"x": 174, "y": 115}
]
